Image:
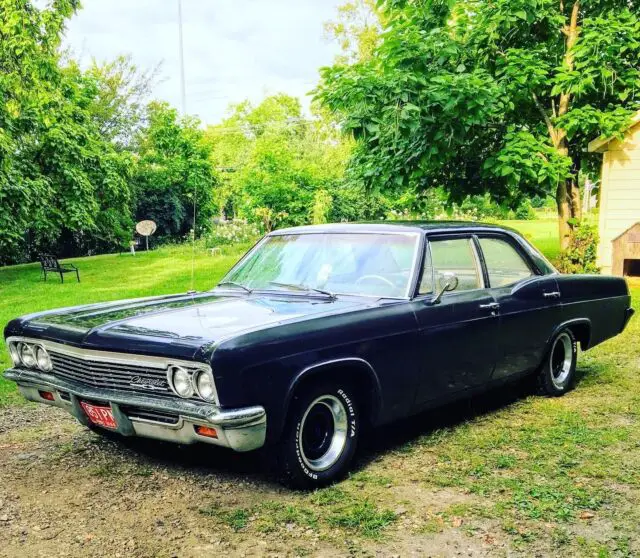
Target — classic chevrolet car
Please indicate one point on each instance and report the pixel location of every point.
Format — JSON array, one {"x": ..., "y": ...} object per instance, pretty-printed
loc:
[{"x": 315, "y": 333}]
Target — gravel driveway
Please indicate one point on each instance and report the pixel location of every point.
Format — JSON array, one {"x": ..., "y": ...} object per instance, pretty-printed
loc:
[{"x": 65, "y": 491}]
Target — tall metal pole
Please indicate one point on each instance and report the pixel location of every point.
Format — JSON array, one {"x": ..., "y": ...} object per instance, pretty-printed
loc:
[
  {"x": 183, "y": 87},
  {"x": 183, "y": 91}
]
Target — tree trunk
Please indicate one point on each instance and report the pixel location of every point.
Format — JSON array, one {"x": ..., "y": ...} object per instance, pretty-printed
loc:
[
  {"x": 568, "y": 192},
  {"x": 573, "y": 191},
  {"x": 564, "y": 215},
  {"x": 569, "y": 209}
]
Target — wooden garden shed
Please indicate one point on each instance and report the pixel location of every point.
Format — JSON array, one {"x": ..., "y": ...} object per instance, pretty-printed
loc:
[{"x": 619, "y": 248}]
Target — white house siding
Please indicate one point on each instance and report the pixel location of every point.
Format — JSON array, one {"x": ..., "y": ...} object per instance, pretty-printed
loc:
[{"x": 620, "y": 192}]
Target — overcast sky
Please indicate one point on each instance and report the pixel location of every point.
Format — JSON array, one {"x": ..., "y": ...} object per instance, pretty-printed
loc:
[{"x": 234, "y": 49}]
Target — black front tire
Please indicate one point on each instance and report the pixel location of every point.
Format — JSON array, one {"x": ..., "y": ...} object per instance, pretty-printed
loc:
[
  {"x": 320, "y": 436},
  {"x": 558, "y": 372}
]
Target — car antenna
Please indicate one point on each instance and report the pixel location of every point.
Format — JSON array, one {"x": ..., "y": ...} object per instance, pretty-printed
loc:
[{"x": 192, "y": 290}]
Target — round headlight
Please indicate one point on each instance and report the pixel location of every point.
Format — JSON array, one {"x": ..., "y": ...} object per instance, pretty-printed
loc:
[
  {"x": 204, "y": 385},
  {"x": 27, "y": 355},
  {"x": 181, "y": 380},
  {"x": 15, "y": 354},
  {"x": 43, "y": 359}
]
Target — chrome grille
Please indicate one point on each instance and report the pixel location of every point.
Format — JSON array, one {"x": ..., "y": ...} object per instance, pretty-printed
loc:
[{"x": 109, "y": 375}]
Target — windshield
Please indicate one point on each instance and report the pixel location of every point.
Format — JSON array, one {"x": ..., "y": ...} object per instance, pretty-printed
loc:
[{"x": 340, "y": 263}]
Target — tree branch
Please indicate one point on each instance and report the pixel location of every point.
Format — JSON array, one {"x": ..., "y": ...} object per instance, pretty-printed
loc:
[
  {"x": 545, "y": 116},
  {"x": 572, "y": 33}
]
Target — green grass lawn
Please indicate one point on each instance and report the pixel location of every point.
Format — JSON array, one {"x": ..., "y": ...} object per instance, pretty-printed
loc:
[
  {"x": 552, "y": 476},
  {"x": 541, "y": 232},
  {"x": 103, "y": 278}
]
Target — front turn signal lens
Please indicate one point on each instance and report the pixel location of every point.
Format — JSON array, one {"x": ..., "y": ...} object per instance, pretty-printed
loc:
[{"x": 207, "y": 431}]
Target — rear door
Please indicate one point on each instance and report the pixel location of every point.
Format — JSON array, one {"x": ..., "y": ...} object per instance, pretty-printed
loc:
[
  {"x": 458, "y": 335},
  {"x": 529, "y": 303}
]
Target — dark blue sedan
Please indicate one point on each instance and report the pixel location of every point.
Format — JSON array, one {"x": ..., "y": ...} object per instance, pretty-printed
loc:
[{"x": 317, "y": 332}]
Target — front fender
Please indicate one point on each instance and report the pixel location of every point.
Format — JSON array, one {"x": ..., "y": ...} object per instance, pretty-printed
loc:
[{"x": 314, "y": 371}]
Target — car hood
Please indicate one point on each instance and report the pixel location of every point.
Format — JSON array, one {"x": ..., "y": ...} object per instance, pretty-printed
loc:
[{"x": 186, "y": 322}]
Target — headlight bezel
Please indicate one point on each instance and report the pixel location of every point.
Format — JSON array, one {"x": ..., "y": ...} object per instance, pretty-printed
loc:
[
  {"x": 14, "y": 353},
  {"x": 194, "y": 372},
  {"x": 24, "y": 347},
  {"x": 48, "y": 366},
  {"x": 173, "y": 371},
  {"x": 197, "y": 376}
]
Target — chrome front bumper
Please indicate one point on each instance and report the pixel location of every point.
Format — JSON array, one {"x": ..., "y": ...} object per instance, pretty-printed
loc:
[{"x": 239, "y": 429}]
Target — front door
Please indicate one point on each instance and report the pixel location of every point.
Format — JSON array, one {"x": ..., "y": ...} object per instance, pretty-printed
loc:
[
  {"x": 459, "y": 334},
  {"x": 529, "y": 305}
]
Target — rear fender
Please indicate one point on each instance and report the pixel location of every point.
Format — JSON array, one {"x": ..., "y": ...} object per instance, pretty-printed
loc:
[{"x": 581, "y": 322}]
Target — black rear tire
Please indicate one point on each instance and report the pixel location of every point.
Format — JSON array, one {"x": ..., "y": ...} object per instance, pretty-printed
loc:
[
  {"x": 558, "y": 372},
  {"x": 320, "y": 436}
]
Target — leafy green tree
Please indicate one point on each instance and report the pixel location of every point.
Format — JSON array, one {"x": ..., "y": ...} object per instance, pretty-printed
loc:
[
  {"x": 356, "y": 29},
  {"x": 123, "y": 91},
  {"x": 273, "y": 161},
  {"x": 498, "y": 96},
  {"x": 322, "y": 202},
  {"x": 90, "y": 209},
  {"x": 62, "y": 186},
  {"x": 173, "y": 171},
  {"x": 28, "y": 42}
]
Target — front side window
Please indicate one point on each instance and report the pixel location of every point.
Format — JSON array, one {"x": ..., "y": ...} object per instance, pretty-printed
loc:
[
  {"x": 504, "y": 264},
  {"x": 455, "y": 256},
  {"x": 341, "y": 263}
]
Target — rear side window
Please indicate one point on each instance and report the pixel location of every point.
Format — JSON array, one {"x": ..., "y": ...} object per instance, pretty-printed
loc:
[
  {"x": 504, "y": 264},
  {"x": 455, "y": 256}
]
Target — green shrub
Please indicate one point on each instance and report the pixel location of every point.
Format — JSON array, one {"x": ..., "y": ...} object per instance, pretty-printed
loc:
[
  {"x": 322, "y": 203},
  {"x": 525, "y": 211},
  {"x": 581, "y": 255},
  {"x": 227, "y": 233}
]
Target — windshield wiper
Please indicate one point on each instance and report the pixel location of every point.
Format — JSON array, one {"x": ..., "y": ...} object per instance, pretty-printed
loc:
[
  {"x": 303, "y": 288},
  {"x": 234, "y": 284}
]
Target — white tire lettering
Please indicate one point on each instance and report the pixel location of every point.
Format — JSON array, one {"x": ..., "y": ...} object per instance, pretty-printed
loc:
[{"x": 352, "y": 433}]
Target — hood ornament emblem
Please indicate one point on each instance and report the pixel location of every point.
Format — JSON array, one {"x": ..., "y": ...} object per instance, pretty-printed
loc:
[{"x": 157, "y": 384}]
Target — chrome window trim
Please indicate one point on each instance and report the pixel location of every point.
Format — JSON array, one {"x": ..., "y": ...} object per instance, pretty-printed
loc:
[
  {"x": 107, "y": 357},
  {"x": 479, "y": 267},
  {"x": 517, "y": 248}
]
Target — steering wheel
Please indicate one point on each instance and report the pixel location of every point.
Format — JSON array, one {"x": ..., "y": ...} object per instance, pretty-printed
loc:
[{"x": 376, "y": 277}]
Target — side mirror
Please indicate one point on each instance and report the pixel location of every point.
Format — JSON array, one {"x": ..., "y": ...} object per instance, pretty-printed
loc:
[{"x": 448, "y": 282}]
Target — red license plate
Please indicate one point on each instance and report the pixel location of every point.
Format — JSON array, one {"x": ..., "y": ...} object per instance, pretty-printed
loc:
[{"x": 100, "y": 416}]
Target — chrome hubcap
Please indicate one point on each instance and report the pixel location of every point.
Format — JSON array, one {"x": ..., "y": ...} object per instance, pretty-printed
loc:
[
  {"x": 561, "y": 360},
  {"x": 323, "y": 433}
]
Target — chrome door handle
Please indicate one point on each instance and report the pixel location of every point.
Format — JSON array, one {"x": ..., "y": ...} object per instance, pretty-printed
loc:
[
  {"x": 554, "y": 294},
  {"x": 490, "y": 306}
]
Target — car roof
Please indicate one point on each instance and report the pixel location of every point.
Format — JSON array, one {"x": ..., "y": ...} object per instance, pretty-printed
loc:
[{"x": 396, "y": 227}]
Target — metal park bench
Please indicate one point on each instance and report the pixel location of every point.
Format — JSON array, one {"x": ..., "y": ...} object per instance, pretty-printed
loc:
[{"x": 51, "y": 264}]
